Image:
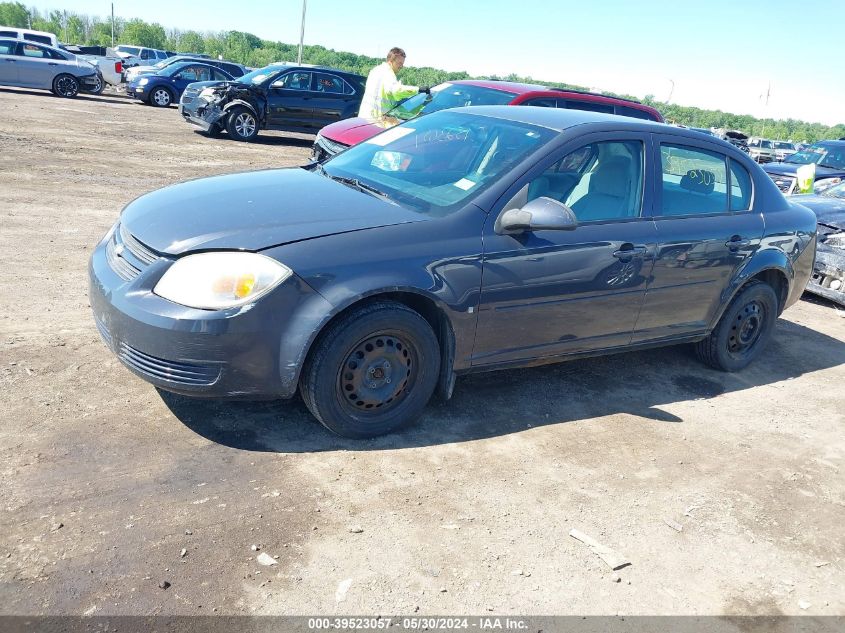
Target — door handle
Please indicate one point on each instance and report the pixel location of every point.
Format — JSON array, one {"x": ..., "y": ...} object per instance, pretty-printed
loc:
[
  {"x": 11, "y": 61},
  {"x": 628, "y": 252},
  {"x": 52, "y": 64},
  {"x": 737, "y": 242}
]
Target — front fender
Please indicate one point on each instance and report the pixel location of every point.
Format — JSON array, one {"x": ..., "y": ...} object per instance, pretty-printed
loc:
[{"x": 240, "y": 102}]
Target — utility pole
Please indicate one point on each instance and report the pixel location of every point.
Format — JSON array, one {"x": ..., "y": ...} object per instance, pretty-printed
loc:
[
  {"x": 65, "y": 13},
  {"x": 112, "y": 24},
  {"x": 671, "y": 90},
  {"x": 301, "y": 33}
]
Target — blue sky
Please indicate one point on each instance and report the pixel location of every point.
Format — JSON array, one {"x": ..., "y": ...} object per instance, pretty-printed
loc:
[{"x": 720, "y": 54}]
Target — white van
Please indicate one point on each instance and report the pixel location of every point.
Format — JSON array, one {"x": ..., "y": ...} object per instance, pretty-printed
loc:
[{"x": 41, "y": 37}]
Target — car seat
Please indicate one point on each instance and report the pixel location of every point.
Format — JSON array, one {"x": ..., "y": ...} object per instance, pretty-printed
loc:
[{"x": 608, "y": 195}]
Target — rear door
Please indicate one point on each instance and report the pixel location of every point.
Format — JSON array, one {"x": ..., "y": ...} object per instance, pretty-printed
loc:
[
  {"x": 8, "y": 62},
  {"x": 289, "y": 102},
  {"x": 331, "y": 96},
  {"x": 36, "y": 66},
  {"x": 706, "y": 232}
]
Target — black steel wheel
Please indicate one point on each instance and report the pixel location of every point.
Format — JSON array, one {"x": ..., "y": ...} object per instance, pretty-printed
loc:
[
  {"x": 66, "y": 86},
  {"x": 242, "y": 124},
  {"x": 372, "y": 372},
  {"x": 744, "y": 329}
]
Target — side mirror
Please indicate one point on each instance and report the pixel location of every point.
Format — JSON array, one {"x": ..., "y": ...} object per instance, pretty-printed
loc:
[{"x": 541, "y": 214}]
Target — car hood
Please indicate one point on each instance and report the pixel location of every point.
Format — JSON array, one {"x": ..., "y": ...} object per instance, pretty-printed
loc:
[
  {"x": 828, "y": 210},
  {"x": 357, "y": 129},
  {"x": 789, "y": 169},
  {"x": 253, "y": 211}
]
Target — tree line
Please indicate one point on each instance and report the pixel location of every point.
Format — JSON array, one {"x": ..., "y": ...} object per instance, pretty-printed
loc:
[{"x": 253, "y": 51}]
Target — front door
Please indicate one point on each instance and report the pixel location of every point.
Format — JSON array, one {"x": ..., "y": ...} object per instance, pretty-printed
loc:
[
  {"x": 289, "y": 98},
  {"x": 706, "y": 231},
  {"x": 549, "y": 293}
]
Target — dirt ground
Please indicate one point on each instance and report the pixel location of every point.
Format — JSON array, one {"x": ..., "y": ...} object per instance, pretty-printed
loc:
[{"x": 110, "y": 488}]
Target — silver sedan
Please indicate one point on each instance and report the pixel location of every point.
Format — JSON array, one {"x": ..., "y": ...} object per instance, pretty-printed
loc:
[{"x": 30, "y": 65}]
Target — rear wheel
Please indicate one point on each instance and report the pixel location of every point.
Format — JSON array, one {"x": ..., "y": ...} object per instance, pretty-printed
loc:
[
  {"x": 66, "y": 86},
  {"x": 242, "y": 124},
  {"x": 372, "y": 372},
  {"x": 161, "y": 98},
  {"x": 744, "y": 329}
]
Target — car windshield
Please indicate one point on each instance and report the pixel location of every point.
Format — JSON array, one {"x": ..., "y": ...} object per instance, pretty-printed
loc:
[
  {"x": 837, "y": 191},
  {"x": 259, "y": 75},
  {"x": 448, "y": 95},
  {"x": 783, "y": 145},
  {"x": 821, "y": 155},
  {"x": 438, "y": 163}
]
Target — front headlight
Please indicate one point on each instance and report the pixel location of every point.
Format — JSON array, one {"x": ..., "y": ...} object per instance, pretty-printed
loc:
[
  {"x": 143, "y": 81},
  {"x": 207, "y": 93},
  {"x": 213, "y": 281},
  {"x": 825, "y": 184}
]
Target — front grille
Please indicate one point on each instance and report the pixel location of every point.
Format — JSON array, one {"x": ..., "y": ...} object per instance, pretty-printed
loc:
[
  {"x": 171, "y": 371},
  {"x": 784, "y": 183},
  {"x": 127, "y": 256}
]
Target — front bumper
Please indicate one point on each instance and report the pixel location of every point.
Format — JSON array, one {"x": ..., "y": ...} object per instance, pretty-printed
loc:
[
  {"x": 828, "y": 278},
  {"x": 252, "y": 351},
  {"x": 88, "y": 82}
]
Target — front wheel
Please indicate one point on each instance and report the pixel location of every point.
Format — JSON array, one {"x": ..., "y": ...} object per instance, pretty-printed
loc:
[
  {"x": 372, "y": 372},
  {"x": 743, "y": 331},
  {"x": 242, "y": 124},
  {"x": 98, "y": 87},
  {"x": 66, "y": 86},
  {"x": 161, "y": 98}
]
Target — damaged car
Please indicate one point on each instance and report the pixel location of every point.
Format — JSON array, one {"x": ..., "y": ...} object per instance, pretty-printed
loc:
[
  {"x": 828, "y": 278},
  {"x": 286, "y": 97},
  {"x": 471, "y": 239}
]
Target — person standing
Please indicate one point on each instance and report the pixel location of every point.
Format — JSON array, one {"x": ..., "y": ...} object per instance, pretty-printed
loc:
[{"x": 383, "y": 91}]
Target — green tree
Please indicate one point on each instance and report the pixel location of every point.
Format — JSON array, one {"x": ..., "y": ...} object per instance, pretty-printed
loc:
[
  {"x": 142, "y": 33},
  {"x": 14, "y": 14}
]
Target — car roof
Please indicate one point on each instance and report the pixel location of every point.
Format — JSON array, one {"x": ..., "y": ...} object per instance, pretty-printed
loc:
[
  {"x": 291, "y": 65},
  {"x": 561, "y": 119}
]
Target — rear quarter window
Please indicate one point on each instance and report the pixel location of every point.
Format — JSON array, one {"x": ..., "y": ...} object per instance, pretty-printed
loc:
[{"x": 740, "y": 187}]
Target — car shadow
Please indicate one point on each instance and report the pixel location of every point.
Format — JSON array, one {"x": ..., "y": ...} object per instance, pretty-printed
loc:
[
  {"x": 82, "y": 96},
  {"x": 263, "y": 139},
  {"x": 500, "y": 403}
]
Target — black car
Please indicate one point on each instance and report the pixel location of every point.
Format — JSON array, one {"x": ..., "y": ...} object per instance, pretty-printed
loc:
[
  {"x": 829, "y": 158},
  {"x": 284, "y": 97},
  {"x": 829, "y": 271},
  {"x": 467, "y": 240}
]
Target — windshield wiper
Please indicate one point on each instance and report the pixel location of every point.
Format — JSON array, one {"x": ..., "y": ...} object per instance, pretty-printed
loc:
[{"x": 357, "y": 184}]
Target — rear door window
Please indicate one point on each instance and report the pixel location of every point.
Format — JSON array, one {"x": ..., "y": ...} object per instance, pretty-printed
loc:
[
  {"x": 328, "y": 83},
  {"x": 33, "y": 50},
  {"x": 589, "y": 106},
  {"x": 42, "y": 39},
  {"x": 694, "y": 181},
  {"x": 634, "y": 113},
  {"x": 542, "y": 102}
]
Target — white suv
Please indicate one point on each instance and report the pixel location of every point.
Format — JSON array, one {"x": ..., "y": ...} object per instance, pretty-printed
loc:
[{"x": 138, "y": 55}]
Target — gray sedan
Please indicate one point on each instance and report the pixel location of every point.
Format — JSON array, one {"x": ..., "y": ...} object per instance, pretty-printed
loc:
[{"x": 30, "y": 65}]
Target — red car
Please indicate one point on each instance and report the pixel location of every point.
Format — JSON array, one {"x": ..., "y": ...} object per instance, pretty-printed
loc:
[{"x": 336, "y": 137}]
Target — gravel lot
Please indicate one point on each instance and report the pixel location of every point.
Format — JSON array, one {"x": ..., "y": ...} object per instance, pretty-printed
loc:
[{"x": 111, "y": 488}]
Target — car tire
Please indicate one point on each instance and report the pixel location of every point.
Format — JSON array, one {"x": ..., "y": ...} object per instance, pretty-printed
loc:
[
  {"x": 66, "y": 86},
  {"x": 744, "y": 329},
  {"x": 98, "y": 88},
  {"x": 161, "y": 97},
  {"x": 242, "y": 124},
  {"x": 371, "y": 372}
]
